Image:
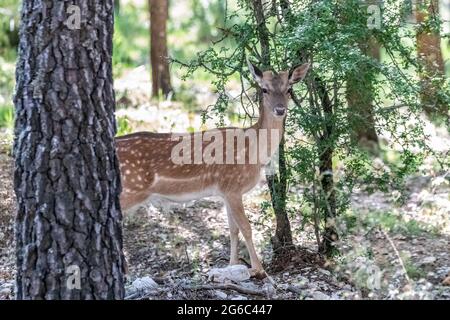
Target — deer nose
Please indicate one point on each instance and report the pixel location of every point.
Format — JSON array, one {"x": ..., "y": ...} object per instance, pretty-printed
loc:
[{"x": 280, "y": 110}]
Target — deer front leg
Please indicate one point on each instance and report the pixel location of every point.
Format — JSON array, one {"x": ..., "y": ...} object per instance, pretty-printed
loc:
[
  {"x": 238, "y": 214},
  {"x": 234, "y": 238}
]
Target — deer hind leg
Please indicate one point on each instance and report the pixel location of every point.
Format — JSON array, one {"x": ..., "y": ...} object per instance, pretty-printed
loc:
[
  {"x": 234, "y": 237},
  {"x": 238, "y": 214}
]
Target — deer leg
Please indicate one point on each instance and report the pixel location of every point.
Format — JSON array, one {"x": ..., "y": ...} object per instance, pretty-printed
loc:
[
  {"x": 234, "y": 238},
  {"x": 241, "y": 220}
]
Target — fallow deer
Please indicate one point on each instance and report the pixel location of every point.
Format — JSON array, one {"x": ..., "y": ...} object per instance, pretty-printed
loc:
[{"x": 148, "y": 169}]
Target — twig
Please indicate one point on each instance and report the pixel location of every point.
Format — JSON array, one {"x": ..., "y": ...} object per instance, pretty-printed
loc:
[
  {"x": 187, "y": 254},
  {"x": 398, "y": 255},
  {"x": 229, "y": 286}
]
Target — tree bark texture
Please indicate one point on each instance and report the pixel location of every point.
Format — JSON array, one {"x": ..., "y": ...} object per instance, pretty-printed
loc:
[{"x": 66, "y": 176}]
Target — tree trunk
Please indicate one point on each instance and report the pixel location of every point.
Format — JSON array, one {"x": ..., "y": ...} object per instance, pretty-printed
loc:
[
  {"x": 277, "y": 183},
  {"x": 159, "y": 13},
  {"x": 429, "y": 51},
  {"x": 328, "y": 203},
  {"x": 360, "y": 90},
  {"x": 360, "y": 100},
  {"x": 66, "y": 179}
]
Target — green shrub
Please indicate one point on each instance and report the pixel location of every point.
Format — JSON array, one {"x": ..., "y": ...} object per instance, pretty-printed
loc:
[
  {"x": 6, "y": 117},
  {"x": 123, "y": 126}
]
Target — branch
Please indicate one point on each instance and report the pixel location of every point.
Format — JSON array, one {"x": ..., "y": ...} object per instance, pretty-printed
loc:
[
  {"x": 229, "y": 286},
  {"x": 397, "y": 254}
]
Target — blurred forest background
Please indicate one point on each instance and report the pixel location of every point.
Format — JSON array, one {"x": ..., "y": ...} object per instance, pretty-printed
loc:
[{"x": 364, "y": 170}]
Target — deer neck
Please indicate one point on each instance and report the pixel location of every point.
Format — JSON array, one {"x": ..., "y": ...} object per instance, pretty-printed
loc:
[{"x": 274, "y": 128}]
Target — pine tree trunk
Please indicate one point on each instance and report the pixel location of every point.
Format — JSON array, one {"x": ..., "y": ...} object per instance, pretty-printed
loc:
[
  {"x": 66, "y": 175},
  {"x": 159, "y": 13},
  {"x": 429, "y": 51}
]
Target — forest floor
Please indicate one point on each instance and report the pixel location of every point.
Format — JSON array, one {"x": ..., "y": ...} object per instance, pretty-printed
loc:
[{"x": 388, "y": 249}]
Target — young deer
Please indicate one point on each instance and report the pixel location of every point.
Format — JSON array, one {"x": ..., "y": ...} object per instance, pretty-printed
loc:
[{"x": 151, "y": 168}]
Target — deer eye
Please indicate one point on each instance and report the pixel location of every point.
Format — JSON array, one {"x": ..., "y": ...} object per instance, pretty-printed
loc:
[{"x": 264, "y": 90}]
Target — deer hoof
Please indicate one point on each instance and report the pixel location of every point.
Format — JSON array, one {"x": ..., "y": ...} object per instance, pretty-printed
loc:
[{"x": 258, "y": 273}]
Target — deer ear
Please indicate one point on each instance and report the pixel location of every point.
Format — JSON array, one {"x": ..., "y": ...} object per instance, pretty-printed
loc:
[
  {"x": 299, "y": 73},
  {"x": 255, "y": 72}
]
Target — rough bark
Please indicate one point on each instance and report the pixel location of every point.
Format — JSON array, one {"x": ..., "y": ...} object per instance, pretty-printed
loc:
[
  {"x": 159, "y": 13},
  {"x": 66, "y": 176},
  {"x": 277, "y": 183},
  {"x": 428, "y": 43}
]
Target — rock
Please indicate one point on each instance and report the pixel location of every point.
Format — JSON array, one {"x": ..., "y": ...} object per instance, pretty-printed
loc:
[
  {"x": 301, "y": 282},
  {"x": 220, "y": 294},
  {"x": 236, "y": 273},
  {"x": 283, "y": 286},
  {"x": 428, "y": 260},
  {"x": 250, "y": 285},
  {"x": 335, "y": 296},
  {"x": 4, "y": 293},
  {"x": 325, "y": 272},
  {"x": 144, "y": 284},
  {"x": 239, "y": 297},
  {"x": 438, "y": 181},
  {"x": 317, "y": 295},
  {"x": 269, "y": 289}
]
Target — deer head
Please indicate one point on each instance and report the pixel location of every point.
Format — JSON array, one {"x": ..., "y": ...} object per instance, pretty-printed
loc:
[{"x": 276, "y": 88}]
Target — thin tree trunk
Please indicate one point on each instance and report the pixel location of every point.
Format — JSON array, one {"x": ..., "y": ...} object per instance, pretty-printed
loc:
[
  {"x": 360, "y": 100},
  {"x": 328, "y": 205},
  {"x": 68, "y": 225},
  {"x": 278, "y": 191},
  {"x": 159, "y": 13},
  {"x": 277, "y": 183},
  {"x": 429, "y": 51}
]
